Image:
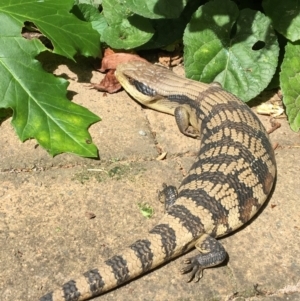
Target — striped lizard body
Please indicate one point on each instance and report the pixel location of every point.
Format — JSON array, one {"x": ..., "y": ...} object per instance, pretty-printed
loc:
[{"x": 228, "y": 183}]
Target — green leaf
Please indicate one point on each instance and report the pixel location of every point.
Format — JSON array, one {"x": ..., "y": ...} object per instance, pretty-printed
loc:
[
  {"x": 285, "y": 15},
  {"x": 290, "y": 79},
  {"x": 126, "y": 30},
  {"x": 40, "y": 107},
  {"x": 94, "y": 3},
  {"x": 237, "y": 49},
  {"x": 125, "y": 35},
  {"x": 167, "y": 31},
  {"x": 154, "y": 9},
  {"x": 146, "y": 210},
  {"x": 91, "y": 14},
  {"x": 67, "y": 33},
  {"x": 114, "y": 11}
]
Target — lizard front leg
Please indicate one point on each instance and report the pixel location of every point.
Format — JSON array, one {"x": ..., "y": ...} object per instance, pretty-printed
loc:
[
  {"x": 168, "y": 195},
  {"x": 182, "y": 118}
]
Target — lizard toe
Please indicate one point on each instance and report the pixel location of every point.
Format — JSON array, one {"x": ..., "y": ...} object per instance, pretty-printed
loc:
[{"x": 194, "y": 267}]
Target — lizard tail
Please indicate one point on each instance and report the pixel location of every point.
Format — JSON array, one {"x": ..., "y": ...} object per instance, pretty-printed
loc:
[{"x": 143, "y": 255}]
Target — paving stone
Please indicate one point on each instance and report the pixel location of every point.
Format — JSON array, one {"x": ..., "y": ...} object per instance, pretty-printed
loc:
[{"x": 61, "y": 216}]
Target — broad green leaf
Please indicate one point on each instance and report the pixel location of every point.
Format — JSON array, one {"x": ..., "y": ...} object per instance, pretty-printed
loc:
[
  {"x": 126, "y": 35},
  {"x": 94, "y": 3},
  {"x": 115, "y": 10},
  {"x": 167, "y": 31},
  {"x": 237, "y": 49},
  {"x": 91, "y": 14},
  {"x": 285, "y": 15},
  {"x": 155, "y": 9},
  {"x": 126, "y": 30},
  {"x": 38, "y": 99},
  {"x": 67, "y": 33},
  {"x": 290, "y": 83}
]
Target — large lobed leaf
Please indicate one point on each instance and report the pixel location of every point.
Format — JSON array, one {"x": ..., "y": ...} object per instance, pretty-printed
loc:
[
  {"x": 38, "y": 99},
  {"x": 91, "y": 14},
  {"x": 285, "y": 15},
  {"x": 290, "y": 84},
  {"x": 67, "y": 33},
  {"x": 153, "y": 9},
  {"x": 126, "y": 30},
  {"x": 145, "y": 24},
  {"x": 167, "y": 31},
  {"x": 237, "y": 49}
]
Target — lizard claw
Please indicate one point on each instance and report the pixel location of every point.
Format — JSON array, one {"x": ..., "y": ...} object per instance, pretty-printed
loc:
[{"x": 194, "y": 267}]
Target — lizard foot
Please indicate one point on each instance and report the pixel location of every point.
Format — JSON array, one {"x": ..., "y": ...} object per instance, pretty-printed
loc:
[
  {"x": 168, "y": 195},
  {"x": 211, "y": 254},
  {"x": 194, "y": 267}
]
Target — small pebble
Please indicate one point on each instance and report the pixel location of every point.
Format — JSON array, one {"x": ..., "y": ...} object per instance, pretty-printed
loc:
[{"x": 142, "y": 133}]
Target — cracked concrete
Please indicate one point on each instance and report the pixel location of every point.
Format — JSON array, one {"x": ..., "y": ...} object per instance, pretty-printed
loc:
[{"x": 60, "y": 216}]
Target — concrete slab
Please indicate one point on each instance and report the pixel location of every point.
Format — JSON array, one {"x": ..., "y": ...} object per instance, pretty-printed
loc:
[{"x": 61, "y": 216}]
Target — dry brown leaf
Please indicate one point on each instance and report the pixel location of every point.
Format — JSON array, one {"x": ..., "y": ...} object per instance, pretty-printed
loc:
[
  {"x": 110, "y": 62},
  {"x": 109, "y": 83},
  {"x": 113, "y": 60}
]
